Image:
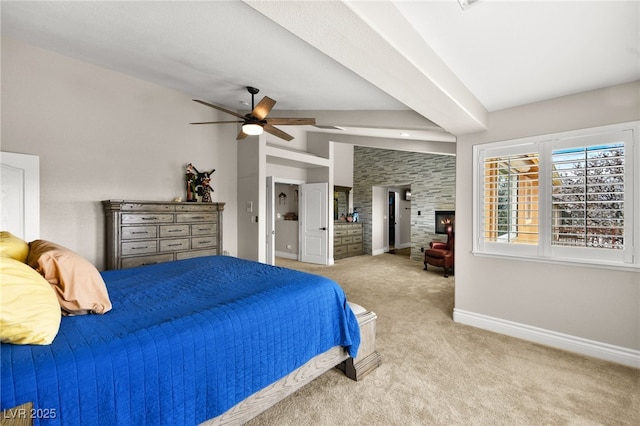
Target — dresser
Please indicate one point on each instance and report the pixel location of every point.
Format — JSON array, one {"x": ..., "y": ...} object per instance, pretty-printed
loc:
[
  {"x": 347, "y": 239},
  {"x": 146, "y": 232}
]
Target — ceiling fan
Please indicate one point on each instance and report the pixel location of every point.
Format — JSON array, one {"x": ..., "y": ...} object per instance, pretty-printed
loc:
[{"x": 255, "y": 122}]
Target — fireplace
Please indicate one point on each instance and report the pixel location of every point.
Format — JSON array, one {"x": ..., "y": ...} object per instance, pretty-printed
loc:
[{"x": 444, "y": 218}]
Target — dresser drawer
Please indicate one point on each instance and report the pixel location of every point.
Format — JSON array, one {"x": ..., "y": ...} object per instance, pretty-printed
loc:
[
  {"x": 195, "y": 253},
  {"x": 356, "y": 238},
  {"x": 138, "y": 232},
  {"x": 174, "y": 231},
  {"x": 197, "y": 207},
  {"x": 174, "y": 244},
  {"x": 204, "y": 229},
  {"x": 339, "y": 232},
  {"x": 151, "y": 207},
  {"x": 139, "y": 247},
  {"x": 196, "y": 217},
  {"x": 347, "y": 240},
  {"x": 357, "y": 231},
  {"x": 147, "y": 218},
  {"x": 203, "y": 242},
  {"x": 132, "y": 262},
  {"x": 354, "y": 248},
  {"x": 338, "y": 251}
]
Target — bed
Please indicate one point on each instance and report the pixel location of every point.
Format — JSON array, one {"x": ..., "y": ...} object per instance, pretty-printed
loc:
[
  {"x": 186, "y": 342},
  {"x": 213, "y": 340}
]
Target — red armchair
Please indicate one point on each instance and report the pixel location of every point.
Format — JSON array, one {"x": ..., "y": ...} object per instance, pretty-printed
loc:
[{"x": 441, "y": 254}]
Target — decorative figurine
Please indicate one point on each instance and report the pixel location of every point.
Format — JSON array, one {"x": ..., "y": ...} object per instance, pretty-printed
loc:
[
  {"x": 191, "y": 183},
  {"x": 205, "y": 187},
  {"x": 198, "y": 183}
]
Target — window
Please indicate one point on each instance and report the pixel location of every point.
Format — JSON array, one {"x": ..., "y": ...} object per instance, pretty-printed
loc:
[
  {"x": 510, "y": 204},
  {"x": 588, "y": 196},
  {"x": 565, "y": 197}
]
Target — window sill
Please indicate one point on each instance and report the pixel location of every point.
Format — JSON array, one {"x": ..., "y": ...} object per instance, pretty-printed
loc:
[{"x": 624, "y": 267}]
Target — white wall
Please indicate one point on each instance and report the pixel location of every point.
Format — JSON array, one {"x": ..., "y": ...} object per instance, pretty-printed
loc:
[
  {"x": 251, "y": 198},
  {"x": 343, "y": 164},
  {"x": 286, "y": 172},
  {"x": 103, "y": 135},
  {"x": 599, "y": 305},
  {"x": 379, "y": 208},
  {"x": 290, "y": 202},
  {"x": 287, "y": 238}
]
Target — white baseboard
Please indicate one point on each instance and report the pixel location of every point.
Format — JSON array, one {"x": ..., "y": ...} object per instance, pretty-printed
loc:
[
  {"x": 286, "y": 255},
  {"x": 617, "y": 354},
  {"x": 403, "y": 245},
  {"x": 378, "y": 251}
]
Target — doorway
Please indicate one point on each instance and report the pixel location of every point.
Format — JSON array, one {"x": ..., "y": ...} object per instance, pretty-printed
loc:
[
  {"x": 297, "y": 220},
  {"x": 391, "y": 219},
  {"x": 286, "y": 220},
  {"x": 393, "y": 223}
]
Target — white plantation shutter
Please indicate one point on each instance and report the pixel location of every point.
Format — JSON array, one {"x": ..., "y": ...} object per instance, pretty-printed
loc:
[
  {"x": 588, "y": 196},
  {"x": 510, "y": 211},
  {"x": 565, "y": 197}
]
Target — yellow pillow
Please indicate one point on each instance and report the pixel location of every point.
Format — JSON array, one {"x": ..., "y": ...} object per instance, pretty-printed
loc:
[
  {"x": 13, "y": 247},
  {"x": 29, "y": 309}
]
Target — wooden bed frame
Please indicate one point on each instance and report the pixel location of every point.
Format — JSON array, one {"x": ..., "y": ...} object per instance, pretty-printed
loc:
[{"x": 367, "y": 360}]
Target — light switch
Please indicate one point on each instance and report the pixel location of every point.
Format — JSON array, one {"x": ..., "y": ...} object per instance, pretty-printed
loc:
[{"x": 249, "y": 206}]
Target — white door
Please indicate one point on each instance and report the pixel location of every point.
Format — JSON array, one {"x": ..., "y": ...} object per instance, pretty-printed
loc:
[
  {"x": 20, "y": 195},
  {"x": 271, "y": 225},
  {"x": 314, "y": 223}
]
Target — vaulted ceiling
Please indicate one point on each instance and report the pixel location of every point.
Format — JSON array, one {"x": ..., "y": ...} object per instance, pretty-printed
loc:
[{"x": 427, "y": 68}]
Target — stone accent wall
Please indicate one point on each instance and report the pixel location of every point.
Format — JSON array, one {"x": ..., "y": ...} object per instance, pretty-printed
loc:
[{"x": 433, "y": 187}]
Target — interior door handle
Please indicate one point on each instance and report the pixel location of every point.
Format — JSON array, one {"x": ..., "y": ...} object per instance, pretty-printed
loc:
[{"x": 323, "y": 229}]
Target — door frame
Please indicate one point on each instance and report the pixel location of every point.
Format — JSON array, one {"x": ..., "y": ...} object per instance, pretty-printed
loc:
[
  {"x": 380, "y": 217},
  {"x": 271, "y": 213},
  {"x": 20, "y": 188},
  {"x": 396, "y": 218}
]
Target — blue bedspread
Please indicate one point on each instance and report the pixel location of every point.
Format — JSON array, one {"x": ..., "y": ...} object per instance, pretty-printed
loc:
[{"x": 184, "y": 342}]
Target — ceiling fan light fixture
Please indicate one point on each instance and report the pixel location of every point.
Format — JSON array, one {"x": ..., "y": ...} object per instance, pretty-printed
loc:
[{"x": 252, "y": 129}]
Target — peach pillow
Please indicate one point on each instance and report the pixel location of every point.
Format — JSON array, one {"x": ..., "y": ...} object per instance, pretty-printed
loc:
[
  {"x": 77, "y": 283},
  {"x": 13, "y": 247},
  {"x": 29, "y": 309}
]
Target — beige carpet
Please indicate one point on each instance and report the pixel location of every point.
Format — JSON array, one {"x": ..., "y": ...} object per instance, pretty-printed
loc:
[{"x": 437, "y": 372}]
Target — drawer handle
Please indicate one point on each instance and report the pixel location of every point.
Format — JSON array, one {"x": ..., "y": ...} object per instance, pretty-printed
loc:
[
  {"x": 174, "y": 245},
  {"x": 204, "y": 242},
  {"x": 198, "y": 217},
  {"x": 139, "y": 232},
  {"x": 174, "y": 230},
  {"x": 150, "y": 263},
  {"x": 150, "y": 218},
  {"x": 139, "y": 248}
]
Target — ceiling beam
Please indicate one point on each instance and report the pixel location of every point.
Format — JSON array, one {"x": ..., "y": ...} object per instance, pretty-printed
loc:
[{"x": 376, "y": 42}]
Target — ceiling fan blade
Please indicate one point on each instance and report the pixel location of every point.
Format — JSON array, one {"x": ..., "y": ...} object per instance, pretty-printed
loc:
[
  {"x": 263, "y": 108},
  {"x": 218, "y": 122},
  {"x": 228, "y": 111},
  {"x": 277, "y": 132},
  {"x": 291, "y": 121},
  {"x": 241, "y": 135}
]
